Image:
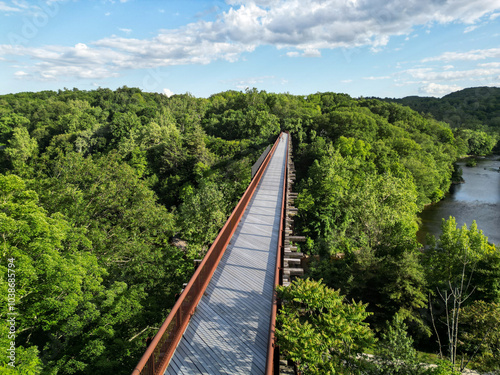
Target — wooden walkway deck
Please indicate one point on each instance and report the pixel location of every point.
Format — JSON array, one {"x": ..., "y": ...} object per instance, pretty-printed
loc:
[{"x": 229, "y": 331}]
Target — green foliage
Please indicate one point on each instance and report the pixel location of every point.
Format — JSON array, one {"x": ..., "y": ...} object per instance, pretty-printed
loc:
[
  {"x": 319, "y": 331},
  {"x": 471, "y": 162},
  {"x": 474, "y": 112},
  {"x": 455, "y": 250},
  {"x": 460, "y": 262},
  {"x": 371, "y": 217},
  {"x": 479, "y": 143},
  {"x": 486, "y": 277},
  {"x": 202, "y": 213},
  {"x": 461, "y": 107},
  {"x": 236, "y": 115},
  {"x": 109, "y": 177},
  {"x": 389, "y": 282},
  {"x": 344, "y": 198},
  {"x": 45, "y": 251},
  {"x": 118, "y": 174},
  {"x": 480, "y": 337},
  {"x": 442, "y": 368},
  {"x": 395, "y": 352},
  {"x": 21, "y": 148}
]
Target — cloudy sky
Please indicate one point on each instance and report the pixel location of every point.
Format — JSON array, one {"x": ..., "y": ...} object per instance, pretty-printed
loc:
[{"x": 385, "y": 48}]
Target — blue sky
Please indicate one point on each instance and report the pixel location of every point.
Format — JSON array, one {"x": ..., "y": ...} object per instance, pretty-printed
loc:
[{"x": 384, "y": 48}]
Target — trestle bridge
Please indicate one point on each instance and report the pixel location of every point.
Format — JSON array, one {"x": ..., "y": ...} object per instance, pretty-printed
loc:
[{"x": 224, "y": 320}]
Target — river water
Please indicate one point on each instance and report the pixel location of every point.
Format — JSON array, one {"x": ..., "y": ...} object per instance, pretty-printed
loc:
[{"x": 476, "y": 199}]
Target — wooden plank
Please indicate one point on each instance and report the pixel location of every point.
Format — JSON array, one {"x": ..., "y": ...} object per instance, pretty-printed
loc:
[
  {"x": 231, "y": 337},
  {"x": 291, "y": 262},
  {"x": 173, "y": 368},
  {"x": 223, "y": 351},
  {"x": 293, "y": 271},
  {"x": 297, "y": 238},
  {"x": 293, "y": 254},
  {"x": 188, "y": 363}
]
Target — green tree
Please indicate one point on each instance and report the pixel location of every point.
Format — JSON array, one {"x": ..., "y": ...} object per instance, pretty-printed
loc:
[
  {"x": 455, "y": 250},
  {"x": 480, "y": 336},
  {"x": 344, "y": 198},
  {"x": 395, "y": 352},
  {"x": 479, "y": 142},
  {"x": 57, "y": 276},
  {"x": 21, "y": 148},
  {"x": 451, "y": 263},
  {"x": 129, "y": 231},
  {"x": 8, "y": 122},
  {"x": 319, "y": 330},
  {"x": 202, "y": 213}
]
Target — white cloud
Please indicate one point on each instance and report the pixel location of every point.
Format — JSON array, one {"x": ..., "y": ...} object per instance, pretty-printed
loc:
[
  {"x": 41, "y": 8},
  {"x": 126, "y": 31},
  {"x": 21, "y": 4},
  {"x": 376, "y": 78},
  {"x": 440, "y": 81},
  {"x": 490, "y": 65},
  {"x": 7, "y": 8},
  {"x": 81, "y": 47},
  {"x": 20, "y": 74},
  {"x": 435, "y": 89},
  {"x": 312, "y": 52},
  {"x": 168, "y": 93},
  {"x": 428, "y": 74},
  {"x": 346, "y": 81},
  {"x": 477, "y": 54},
  {"x": 262, "y": 3},
  {"x": 54, "y": 62},
  {"x": 305, "y": 26},
  {"x": 307, "y": 53},
  {"x": 468, "y": 29}
]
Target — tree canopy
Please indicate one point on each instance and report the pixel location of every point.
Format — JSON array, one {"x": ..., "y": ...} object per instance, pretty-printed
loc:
[{"x": 108, "y": 196}]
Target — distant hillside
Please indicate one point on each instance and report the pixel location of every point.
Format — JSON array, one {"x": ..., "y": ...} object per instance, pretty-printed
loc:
[{"x": 469, "y": 107}]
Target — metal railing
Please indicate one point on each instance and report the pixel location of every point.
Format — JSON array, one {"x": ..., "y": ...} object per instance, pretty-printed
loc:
[
  {"x": 259, "y": 161},
  {"x": 272, "y": 360},
  {"x": 158, "y": 354}
]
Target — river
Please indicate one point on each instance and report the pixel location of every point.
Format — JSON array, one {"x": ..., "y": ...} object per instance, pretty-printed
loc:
[{"x": 476, "y": 199}]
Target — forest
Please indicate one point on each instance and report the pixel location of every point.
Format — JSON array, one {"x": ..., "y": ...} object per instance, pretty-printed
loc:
[
  {"x": 475, "y": 108},
  {"x": 107, "y": 197}
]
